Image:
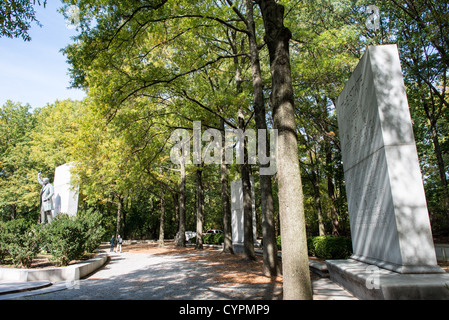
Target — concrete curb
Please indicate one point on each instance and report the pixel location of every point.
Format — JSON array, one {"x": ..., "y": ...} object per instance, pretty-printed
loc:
[
  {"x": 34, "y": 289},
  {"x": 16, "y": 287},
  {"x": 69, "y": 273}
]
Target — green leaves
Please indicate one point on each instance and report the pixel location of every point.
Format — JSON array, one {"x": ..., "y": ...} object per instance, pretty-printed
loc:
[
  {"x": 17, "y": 16},
  {"x": 16, "y": 167},
  {"x": 20, "y": 240},
  {"x": 65, "y": 239}
]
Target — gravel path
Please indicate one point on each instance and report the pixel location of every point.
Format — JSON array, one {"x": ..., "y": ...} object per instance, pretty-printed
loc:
[{"x": 146, "y": 276}]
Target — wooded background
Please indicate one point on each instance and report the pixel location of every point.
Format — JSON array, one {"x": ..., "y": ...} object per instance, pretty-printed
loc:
[{"x": 150, "y": 67}]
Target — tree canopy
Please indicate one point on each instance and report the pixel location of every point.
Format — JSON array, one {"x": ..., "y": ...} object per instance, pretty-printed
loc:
[
  {"x": 151, "y": 67},
  {"x": 16, "y": 17}
]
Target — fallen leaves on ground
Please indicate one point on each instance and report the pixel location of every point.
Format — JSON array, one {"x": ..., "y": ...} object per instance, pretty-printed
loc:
[{"x": 229, "y": 268}]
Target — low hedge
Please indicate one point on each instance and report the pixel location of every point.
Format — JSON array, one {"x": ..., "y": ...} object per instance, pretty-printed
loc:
[
  {"x": 326, "y": 247},
  {"x": 65, "y": 238},
  {"x": 329, "y": 247},
  {"x": 209, "y": 238}
]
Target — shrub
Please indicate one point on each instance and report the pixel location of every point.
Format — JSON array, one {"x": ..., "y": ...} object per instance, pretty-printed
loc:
[
  {"x": 329, "y": 247},
  {"x": 3, "y": 251},
  {"x": 326, "y": 247},
  {"x": 218, "y": 238},
  {"x": 65, "y": 238},
  {"x": 93, "y": 230},
  {"x": 20, "y": 241},
  {"x": 278, "y": 242},
  {"x": 210, "y": 238}
]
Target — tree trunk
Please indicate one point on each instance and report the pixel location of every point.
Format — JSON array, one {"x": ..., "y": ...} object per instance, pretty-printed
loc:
[
  {"x": 330, "y": 173},
  {"x": 13, "y": 211},
  {"x": 295, "y": 263},
  {"x": 227, "y": 225},
  {"x": 317, "y": 195},
  {"x": 181, "y": 237},
  {"x": 440, "y": 162},
  {"x": 119, "y": 215},
  {"x": 199, "y": 209},
  {"x": 162, "y": 218},
  {"x": 124, "y": 211},
  {"x": 248, "y": 235},
  {"x": 331, "y": 187},
  {"x": 438, "y": 154},
  {"x": 270, "y": 258}
]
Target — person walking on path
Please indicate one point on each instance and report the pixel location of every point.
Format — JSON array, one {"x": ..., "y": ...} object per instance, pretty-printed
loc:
[
  {"x": 119, "y": 244},
  {"x": 112, "y": 242}
]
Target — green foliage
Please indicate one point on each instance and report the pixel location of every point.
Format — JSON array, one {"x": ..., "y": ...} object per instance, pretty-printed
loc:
[
  {"x": 19, "y": 192},
  {"x": 17, "y": 17},
  {"x": 209, "y": 238},
  {"x": 218, "y": 238},
  {"x": 3, "y": 251},
  {"x": 151, "y": 67},
  {"x": 329, "y": 247},
  {"x": 93, "y": 230},
  {"x": 65, "y": 239},
  {"x": 20, "y": 241},
  {"x": 326, "y": 247}
]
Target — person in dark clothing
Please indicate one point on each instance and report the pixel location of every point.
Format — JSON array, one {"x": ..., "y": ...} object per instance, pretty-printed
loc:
[{"x": 112, "y": 242}]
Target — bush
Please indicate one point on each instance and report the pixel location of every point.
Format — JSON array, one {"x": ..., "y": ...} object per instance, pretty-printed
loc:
[
  {"x": 65, "y": 239},
  {"x": 329, "y": 247},
  {"x": 210, "y": 238},
  {"x": 278, "y": 242},
  {"x": 93, "y": 230},
  {"x": 3, "y": 251},
  {"x": 326, "y": 247},
  {"x": 20, "y": 241},
  {"x": 218, "y": 238}
]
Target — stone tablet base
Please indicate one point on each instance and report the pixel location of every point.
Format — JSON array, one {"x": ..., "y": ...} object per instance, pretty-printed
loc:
[
  {"x": 399, "y": 268},
  {"x": 369, "y": 282}
]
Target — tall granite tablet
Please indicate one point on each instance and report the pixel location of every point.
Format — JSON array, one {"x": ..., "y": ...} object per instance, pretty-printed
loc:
[
  {"x": 387, "y": 206},
  {"x": 237, "y": 214},
  {"x": 65, "y": 198}
]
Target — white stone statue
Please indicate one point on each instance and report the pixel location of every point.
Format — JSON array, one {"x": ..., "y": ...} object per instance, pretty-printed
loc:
[{"x": 46, "y": 199}]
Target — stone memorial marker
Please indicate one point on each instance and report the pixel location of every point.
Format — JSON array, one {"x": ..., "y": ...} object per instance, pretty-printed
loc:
[
  {"x": 65, "y": 198},
  {"x": 237, "y": 214},
  {"x": 393, "y": 251},
  {"x": 387, "y": 206}
]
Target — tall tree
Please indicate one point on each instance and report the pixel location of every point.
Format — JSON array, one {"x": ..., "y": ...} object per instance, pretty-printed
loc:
[
  {"x": 19, "y": 192},
  {"x": 295, "y": 264},
  {"x": 271, "y": 266}
]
